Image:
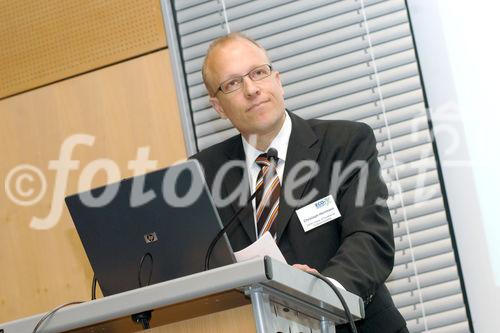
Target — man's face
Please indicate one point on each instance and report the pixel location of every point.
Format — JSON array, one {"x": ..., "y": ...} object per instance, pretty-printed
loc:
[{"x": 258, "y": 107}]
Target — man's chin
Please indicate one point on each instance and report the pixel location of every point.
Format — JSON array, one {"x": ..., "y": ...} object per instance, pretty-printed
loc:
[{"x": 266, "y": 129}]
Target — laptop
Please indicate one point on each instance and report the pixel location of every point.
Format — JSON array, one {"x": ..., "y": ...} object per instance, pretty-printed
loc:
[{"x": 134, "y": 240}]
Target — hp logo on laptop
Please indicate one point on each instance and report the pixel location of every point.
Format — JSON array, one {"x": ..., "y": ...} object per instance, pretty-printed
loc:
[{"x": 150, "y": 238}]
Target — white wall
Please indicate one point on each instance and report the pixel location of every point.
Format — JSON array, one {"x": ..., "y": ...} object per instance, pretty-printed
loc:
[{"x": 457, "y": 42}]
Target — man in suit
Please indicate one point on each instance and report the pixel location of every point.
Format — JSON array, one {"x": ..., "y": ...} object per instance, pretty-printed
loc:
[{"x": 316, "y": 159}]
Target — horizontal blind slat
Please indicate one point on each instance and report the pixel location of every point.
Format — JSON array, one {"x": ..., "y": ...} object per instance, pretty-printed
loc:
[
  {"x": 417, "y": 210},
  {"x": 429, "y": 293},
  {"x": 420, "y": 223},
  {"x": 415, "y": 195},
  {"x": 180, "y": 5},
  {"x": 431, "y": 307},
  {"x": 438, "y": 320},
  {"x": 458, "y": 327},
  {"x": 425, "y": 279},
  {"x": 408, "y": 155},
  {"x": 405, "y": 102},
  {"x": 209, "y": 140},
  {"x": 201, "y": 11},
  {"x": 423, "y": 265},
  {"x": 408, "y": 169},
  {"x": 211, "y": 127},
  {"x": 404, "y": 142},
  {"x": 423, "y": 251},
  {"x": 400, "y": 122},
  {"x": 426, "y": 236},
  {"x": 408, "y": 183}
]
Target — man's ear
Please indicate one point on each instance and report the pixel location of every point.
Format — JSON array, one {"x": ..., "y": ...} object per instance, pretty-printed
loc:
[{"x": 216, "y": 104}]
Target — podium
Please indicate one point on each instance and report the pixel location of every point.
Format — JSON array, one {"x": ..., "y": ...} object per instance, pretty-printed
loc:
[{"x": 260, "y": 295}]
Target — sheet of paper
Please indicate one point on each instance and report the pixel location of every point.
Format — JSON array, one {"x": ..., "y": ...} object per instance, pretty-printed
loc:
[
  {"x": 336, "y": 283},
  {"x": 264, "y": 246}
]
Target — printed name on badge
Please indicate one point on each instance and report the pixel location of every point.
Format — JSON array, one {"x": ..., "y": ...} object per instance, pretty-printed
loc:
[{"x": 318, "y": 213}]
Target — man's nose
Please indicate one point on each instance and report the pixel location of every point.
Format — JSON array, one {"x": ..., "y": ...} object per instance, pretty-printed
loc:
[{"x": 249, "y": 87}]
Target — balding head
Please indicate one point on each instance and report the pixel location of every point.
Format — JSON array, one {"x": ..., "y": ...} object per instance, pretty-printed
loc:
[{"x": 207, "y": 70}]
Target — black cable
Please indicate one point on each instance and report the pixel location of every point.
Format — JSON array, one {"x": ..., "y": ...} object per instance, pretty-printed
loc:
[
  {"x": 272, "y": 155},
  {"x": 50, "y": 314},
  {"x": 93, "y": 288},
  {"x": 94, "y": 278},
  {"x": 147, "y": 254},
  {"x": 143, "y": 318},
  {"x": 224, "y": 230},
  {"x": 352, "y": 326}
]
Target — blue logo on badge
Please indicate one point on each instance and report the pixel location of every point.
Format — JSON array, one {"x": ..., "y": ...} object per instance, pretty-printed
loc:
[{"x": 322, "y": 202}]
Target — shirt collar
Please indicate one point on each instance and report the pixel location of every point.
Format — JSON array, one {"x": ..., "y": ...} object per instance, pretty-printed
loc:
[{"x": 280, "y": 143}]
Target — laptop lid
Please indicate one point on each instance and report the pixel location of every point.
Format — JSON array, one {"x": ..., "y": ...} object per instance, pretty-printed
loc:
[{"x": 150, "y": 228}]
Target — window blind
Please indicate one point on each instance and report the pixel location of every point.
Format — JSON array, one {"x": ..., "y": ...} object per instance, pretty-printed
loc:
[{"x": 353, "y": 60}]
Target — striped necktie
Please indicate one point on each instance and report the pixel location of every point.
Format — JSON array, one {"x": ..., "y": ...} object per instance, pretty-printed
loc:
[{"x": 268, "y": 196}]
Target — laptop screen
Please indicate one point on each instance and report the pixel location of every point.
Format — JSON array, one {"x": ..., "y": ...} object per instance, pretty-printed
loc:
[{"x": 150, "y": 228}]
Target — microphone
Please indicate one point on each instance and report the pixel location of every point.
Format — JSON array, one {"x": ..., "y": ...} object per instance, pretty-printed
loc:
[{"x": 272, "y": 155}]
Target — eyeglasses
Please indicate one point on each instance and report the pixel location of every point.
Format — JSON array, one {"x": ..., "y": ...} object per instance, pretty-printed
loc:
[{"x": 235, "y": 83}]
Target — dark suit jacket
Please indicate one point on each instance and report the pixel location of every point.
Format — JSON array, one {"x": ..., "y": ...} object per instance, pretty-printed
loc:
[{"x": 356, "y": 249}]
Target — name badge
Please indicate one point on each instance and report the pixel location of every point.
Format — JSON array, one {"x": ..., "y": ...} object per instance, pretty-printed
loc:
[{"x": 318, "y": 213}]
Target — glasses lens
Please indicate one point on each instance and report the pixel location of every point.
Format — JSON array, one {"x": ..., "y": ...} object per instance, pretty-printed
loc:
[
  {"x": 231, "y": 85},
  {"x": 260, "y": 73}
]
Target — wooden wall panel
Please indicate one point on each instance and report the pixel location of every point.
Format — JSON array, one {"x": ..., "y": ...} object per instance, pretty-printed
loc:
[
  {"x": 46, "y": 41},
  {"x": 125, "y": 106}
]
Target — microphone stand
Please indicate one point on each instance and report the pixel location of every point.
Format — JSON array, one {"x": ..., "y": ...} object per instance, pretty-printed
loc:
[
  {"x": 224, "y": 230},
  {"x": 272, "y": 154}
]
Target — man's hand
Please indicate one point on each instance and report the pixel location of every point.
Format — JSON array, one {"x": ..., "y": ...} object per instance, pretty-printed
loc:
[{"x": 306, "y": 268}]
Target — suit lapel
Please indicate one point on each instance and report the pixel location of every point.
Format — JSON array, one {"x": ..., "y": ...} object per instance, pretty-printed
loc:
[
  {"x": 234, "y": 178},
  {"x": 303, "y": 145}
]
